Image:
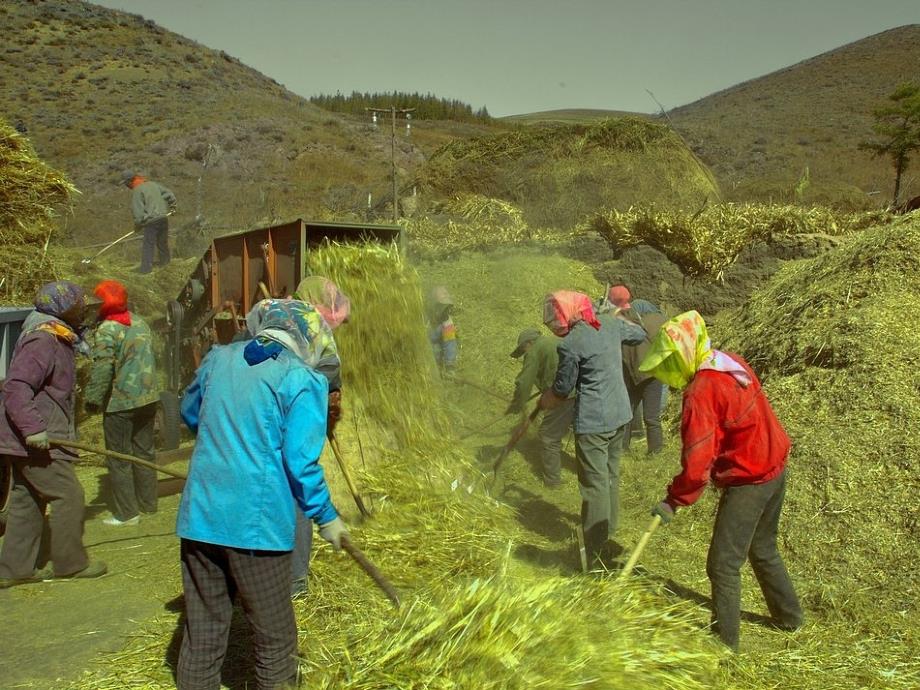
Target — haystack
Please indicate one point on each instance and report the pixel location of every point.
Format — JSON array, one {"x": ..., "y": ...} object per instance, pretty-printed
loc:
[
  {"x": 31, "y": 196},
  {"x": 835, "y": 339},
  {"x": 559, "y": 174}
]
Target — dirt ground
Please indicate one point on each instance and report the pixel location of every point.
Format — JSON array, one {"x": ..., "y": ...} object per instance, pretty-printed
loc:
[{"x": 52, "y": 631}]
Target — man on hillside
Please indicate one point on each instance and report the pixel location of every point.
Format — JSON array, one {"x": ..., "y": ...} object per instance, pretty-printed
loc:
[
  {"x": 123, "y": 385},
  {"x": 541, "y": 360},
  {"x": 591, "y": 364},
  {"x": 151, "y": 205},
  {"x": 732, "y": 438}
]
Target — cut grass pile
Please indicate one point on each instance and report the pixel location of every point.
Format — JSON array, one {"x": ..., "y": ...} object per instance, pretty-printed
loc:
[
  {"x": 559, "y": 174},
  {"x": 704, "y": 242},
  {"x": 835, "y": 340},
  {"x": 860, "y": 602},
  {"x": 31, "y": 196}
]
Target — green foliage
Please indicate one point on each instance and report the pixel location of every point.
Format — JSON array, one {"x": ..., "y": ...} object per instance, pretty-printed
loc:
[
  {"x": 427, "y": 106},
  {"x": 897, "y": 128}
]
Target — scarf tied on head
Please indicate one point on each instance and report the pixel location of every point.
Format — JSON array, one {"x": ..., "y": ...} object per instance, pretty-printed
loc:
[
  {"x": 682, "y": 347},
  {"x": 290, "y": 324},
  {"x": 564, "y": 308}
]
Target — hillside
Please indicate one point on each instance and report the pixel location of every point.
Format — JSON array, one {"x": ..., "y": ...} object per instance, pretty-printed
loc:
[
  {"x": 100, "y": 91},
  {"x": 760, "y": 135}
]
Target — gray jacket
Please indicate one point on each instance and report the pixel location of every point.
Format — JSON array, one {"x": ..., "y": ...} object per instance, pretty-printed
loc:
[
  {"x": 591, "y": 363},
  {"x": 151, "y": 201}
]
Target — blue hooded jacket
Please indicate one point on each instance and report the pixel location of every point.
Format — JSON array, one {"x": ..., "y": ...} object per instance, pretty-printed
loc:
[{"x": 261, "y": 430}]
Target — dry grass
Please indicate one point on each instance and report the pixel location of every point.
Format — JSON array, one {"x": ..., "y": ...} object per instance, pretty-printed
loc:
[
  {"x": 704, "y": 242},
  {"x": 32, "y": 195}
]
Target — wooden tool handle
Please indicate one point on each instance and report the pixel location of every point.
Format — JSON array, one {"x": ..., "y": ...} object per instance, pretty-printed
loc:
[
  {"x": 371, "y": 570},
  {"x": 352, "y": 487},
  {"x": 119, "y": 456},
  {"x": 634, "y": 557}
]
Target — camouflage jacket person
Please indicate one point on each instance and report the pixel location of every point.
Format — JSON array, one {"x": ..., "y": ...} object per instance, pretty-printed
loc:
[{"x": 123, "y": 375}]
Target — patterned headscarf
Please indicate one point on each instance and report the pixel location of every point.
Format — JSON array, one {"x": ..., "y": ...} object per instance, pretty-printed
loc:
[
  {"x": 681, "y": 348},
  {"x": 294, "y": 324},
  {"x": 564, "y": 308},
  {"x": 326, "y": 297},
  {"x": 59, "y": 297}
]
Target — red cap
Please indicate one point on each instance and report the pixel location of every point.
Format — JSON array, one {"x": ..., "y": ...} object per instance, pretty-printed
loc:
[{"x": 619, "y": 295}]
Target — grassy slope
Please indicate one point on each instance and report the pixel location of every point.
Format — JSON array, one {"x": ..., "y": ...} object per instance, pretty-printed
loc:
[
  {"x": 100, "y": 91},
  {"x": 759, "y": 136}
]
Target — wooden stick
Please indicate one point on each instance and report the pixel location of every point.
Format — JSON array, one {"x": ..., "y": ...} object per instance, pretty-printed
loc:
[
  {"x": 471, "y": 384},
  {"x": 513, "y": 441},
  {"x": 264, "y": 290},
  {"x": 334, "y": 444},
  {"x": 119, "y": 456},
  {"x": 371, "y": 570},
  {"x": 634, "y": 557}
]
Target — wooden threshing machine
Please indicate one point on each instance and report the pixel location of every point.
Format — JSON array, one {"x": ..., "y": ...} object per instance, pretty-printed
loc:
[{"x": 236, "y": 272}]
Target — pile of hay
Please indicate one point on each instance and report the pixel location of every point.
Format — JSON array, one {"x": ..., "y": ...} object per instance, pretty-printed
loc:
[
  {"x": 559, "y": 174},
  {"x": 31, "y": 195},
  {"x": 707, "y": 241},
  {"x": 835, "y": 339}
]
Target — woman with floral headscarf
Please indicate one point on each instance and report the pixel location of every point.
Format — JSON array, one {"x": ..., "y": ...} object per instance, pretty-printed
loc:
[
  {"x": 732, "y": 438},
  {"x": 259, "y": 410},
  {"x": 591, "y": 364},
  {"x": 37, "y": 404}
]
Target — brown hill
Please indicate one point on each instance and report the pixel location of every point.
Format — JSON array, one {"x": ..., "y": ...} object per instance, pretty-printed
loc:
[
  {"x": 100, "y": 91},
  {"x": 760, "y": 135}
]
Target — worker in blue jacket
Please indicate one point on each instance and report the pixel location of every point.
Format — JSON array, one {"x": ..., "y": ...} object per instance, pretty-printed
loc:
[{"x": 259, "y": 411}]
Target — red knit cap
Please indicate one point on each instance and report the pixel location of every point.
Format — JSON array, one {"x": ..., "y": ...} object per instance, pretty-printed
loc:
[{"x": 114, "y": 298}]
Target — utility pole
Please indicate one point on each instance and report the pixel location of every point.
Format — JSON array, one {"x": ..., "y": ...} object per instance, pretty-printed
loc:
[{"x": 393, "y": 111}]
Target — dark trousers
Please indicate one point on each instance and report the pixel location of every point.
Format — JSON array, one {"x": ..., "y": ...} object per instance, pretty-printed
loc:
[
  {"x": 211, "y": 577},
  {"x": 746, "y": 527},
  {"x": 156, "y": 236},
  {"x": 133, "y": 488},
  {"x": 555, "y": 426},
  {"x": 300, "y": 556},
  {"x": 649, "y": 396},
  {"x": 40, "y": 483},
  {"x": 598, "y": 457}
]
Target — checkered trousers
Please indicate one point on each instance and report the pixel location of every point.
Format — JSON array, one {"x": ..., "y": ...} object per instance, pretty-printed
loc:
[{"x": 211, "y": 577}]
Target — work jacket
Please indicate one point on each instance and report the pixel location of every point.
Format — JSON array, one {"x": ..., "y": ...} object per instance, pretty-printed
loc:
[
  {"x": 123, "y": 376},
  {"x": 151, "y": 201},
  {"x": 538, "y": 369},
  {"x": 730, "y": 434},
  {"x": 591, "y": 364},
  {"x": 38, "y": 395},
  {"x": 634, "y": 354},
  {"x": 261, "y": 430}
]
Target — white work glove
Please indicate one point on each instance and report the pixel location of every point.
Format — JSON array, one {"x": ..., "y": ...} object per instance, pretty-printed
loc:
[
  {"x": 333, "y": 532},
  {"x": 39, "y": 441}
]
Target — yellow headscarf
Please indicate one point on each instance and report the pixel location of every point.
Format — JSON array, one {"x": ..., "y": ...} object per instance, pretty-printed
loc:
[{"x": 678, "y": 350}]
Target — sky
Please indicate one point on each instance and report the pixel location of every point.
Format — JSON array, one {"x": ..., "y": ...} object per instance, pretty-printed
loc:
[{"x": 520, "y": 56}]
